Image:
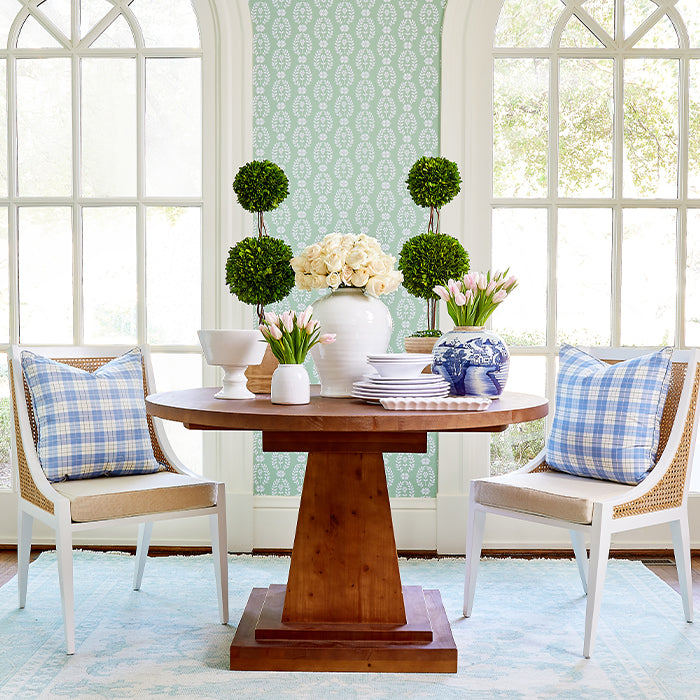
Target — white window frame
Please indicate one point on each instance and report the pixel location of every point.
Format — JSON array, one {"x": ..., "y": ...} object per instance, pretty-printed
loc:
[{"x": 466, "y": 136}]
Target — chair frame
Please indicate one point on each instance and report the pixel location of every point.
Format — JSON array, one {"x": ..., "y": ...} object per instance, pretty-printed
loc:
[
  {"x": 661, "y": 497},
  {"x": 37, "y": 499}
]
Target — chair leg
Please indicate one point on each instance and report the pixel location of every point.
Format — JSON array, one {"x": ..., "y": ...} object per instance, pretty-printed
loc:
[
  {"x": 578, "y": 542},
  {"x": 142, "y": 544},
  {"x": 64, "y": 555},
  {"x": 475, "y": 536},
  {"x": 681, "y": 550},
  {"x": 600, "y": 549},
  {"x": 25, "y": 523},
  {"x": 219, "y": 549}
]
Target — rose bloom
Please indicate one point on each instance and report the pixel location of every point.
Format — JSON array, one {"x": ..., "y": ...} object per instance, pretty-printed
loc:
[
  {"x": 376, "y": 285},
  {"x": 331, "y": 241},
  {"x": 318, "y": 266},
  {"x": 303, "y": 281},
  {"x": 334, "y": 263},
  {"x": 313, "y": 251},
  {"x": 333, "y": 280},
  {"x": 317, "y": 281},
  {"x": 346, "y": 274},
  {"x": 377, "y": 266},
  {"x": 348, "y": 241},
  {"x": 356, "y": 258},
  {"x": 360, "y": 277},
  {"x": 299, "y": 264}
]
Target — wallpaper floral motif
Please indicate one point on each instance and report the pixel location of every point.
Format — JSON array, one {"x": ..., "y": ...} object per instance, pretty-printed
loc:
[{"x": 346, "y": 98}]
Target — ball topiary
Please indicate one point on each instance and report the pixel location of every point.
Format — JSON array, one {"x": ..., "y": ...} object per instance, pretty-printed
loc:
[
  {"x": 260, "y": 186},
  {"x": 258, "y": 271},
  {"x": 427, "y": 260},
  {"x": 433, "y": 182}
]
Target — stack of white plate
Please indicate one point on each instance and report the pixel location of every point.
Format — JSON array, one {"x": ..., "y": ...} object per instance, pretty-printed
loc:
[{"x": 372, "y": 389}]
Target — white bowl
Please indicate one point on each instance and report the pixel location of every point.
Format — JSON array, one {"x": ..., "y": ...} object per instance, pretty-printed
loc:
[
  {"x": 403, "y": 368},
  {"x": 233, "y": 350}
]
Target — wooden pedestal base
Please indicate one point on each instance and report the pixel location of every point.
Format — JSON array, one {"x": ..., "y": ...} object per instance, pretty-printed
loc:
[{"x": 340, "y": 647}]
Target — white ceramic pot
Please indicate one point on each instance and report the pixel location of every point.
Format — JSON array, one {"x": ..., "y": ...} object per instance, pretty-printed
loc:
[
  {"x": 362, "y": 326},
  {"x": 290, "y": 385},
  {"x": 233, "y": 350}
]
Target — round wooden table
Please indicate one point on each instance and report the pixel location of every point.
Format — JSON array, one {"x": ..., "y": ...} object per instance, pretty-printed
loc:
[{"x": 343, "y": 607}]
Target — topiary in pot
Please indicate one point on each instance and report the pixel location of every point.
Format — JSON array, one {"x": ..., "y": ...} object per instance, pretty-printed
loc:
[
  {"x": 257, "y": 269},
  {"x": 432, "y": 258},
  {"x": 427, "y": 260}
]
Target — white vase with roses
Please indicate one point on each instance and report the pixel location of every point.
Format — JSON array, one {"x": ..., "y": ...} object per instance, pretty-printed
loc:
[{"x": 356, "y": 272}]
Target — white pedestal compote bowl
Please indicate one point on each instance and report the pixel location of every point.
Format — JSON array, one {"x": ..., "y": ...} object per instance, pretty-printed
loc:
[{"x": 233, "y": 350}]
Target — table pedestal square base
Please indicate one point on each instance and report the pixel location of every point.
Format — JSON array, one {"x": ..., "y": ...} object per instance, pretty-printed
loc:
[{"x": 343, "y": 654}]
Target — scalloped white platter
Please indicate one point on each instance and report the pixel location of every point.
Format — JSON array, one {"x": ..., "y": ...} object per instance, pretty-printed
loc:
[{"x": 434, "y": 403}]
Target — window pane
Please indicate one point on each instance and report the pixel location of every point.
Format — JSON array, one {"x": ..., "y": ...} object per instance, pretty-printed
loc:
[
  {"x": 662, "y": 35},
  {"x": 694, "y": 132},
  {"x": 648, "y": 276},
  {"x": 520, "y": 116},
  {"x": 585, "y": 128},
  {"x": 690, "y": 12},
  {"x": 58, "y": 11},
  {"x": 180, "y": 372},
  {"x": 108, "y": 127},
  {"x": 520, "y": 442},
  {"x": 584, "y": 264},
  {"x": 8, "y": 12},
  {"x": 602, "y": 12},
  {"x": 651, "y": 128},
  {"x": 173, "y": 127},
  {"x": 173, "y": 275},
  {"x": 33, "y": 36},
  {"x": 45, "y": 275},
  {"x": 109, "y": 274},
  {"x": 692, "y": 271},
  {"x": 520, "y": 244},
  {"x": 635, "y": 12},
  {"x": 4, "y": 279},
  {"x": 576, "y": 34},
  {"x": 118, "y": 35},
  {"x": 91, "y": 12},
  {"x": 167, "y": 22},
  {"x": 5, "y": 426},
  {"x": 527, "y": 23},
  {"x": 44, "y": 144},
  {"x": 3, "y": 128}
]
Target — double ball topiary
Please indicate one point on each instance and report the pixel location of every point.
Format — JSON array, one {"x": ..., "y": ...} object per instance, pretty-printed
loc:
[
  {"x": 258, "y": 270},
  {"x": 433, "y": 182},
  {"x": 260, "y": 186}
]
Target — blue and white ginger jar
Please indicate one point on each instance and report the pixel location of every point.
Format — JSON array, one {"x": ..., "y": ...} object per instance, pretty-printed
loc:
[{"x": 475, "y": 361}]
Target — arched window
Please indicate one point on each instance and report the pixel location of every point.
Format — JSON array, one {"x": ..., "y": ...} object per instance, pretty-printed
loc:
[
  {"x": 576, "y": 125},
  {"x": 101, "y": 182},
  {"x": 595, "y": 200}
]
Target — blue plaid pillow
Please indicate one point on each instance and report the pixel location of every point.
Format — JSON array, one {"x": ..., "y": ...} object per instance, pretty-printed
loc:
[
  {"x": 90, "y": 424},
  {"x": 607, "y": 417}
]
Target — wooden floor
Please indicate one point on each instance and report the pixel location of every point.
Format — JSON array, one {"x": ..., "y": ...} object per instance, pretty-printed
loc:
[{"x": 661, "y": 564}]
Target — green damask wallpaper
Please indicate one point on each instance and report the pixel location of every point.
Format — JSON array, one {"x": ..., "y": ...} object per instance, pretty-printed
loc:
[{"x": 346, "y": 98}]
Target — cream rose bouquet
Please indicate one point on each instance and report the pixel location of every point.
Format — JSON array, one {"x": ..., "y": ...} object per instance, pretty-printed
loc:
[{"x": 346, "y": 261}]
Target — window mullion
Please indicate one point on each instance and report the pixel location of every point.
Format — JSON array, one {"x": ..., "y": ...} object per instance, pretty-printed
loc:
[
  {"x": 78, "y": 306},
  {"x": 552, "y": 189},
  {"x": 12, "y": 218},
  {"x": 141, "y": 288},
  {"x": 618, "y": 174},
  {"x": 682, "y": 215}
]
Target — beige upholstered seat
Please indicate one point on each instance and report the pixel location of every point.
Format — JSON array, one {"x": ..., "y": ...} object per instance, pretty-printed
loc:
[
  {"x": 73, "y": 506},
  {"x": 598, "y": 508},
  {"x": 110, "y": 497}
]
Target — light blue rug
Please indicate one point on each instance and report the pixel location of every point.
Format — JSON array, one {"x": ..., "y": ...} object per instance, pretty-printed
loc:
[{"x": 523, "y": 641}]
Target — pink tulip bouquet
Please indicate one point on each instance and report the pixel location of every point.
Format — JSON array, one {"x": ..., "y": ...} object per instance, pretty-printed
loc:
[
  {"x": 291, "y": 335},
  {"x": 471, "y": 300}
]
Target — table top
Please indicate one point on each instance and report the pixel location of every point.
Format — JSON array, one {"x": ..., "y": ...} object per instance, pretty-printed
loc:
[{"x": 197, "y": 408}]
